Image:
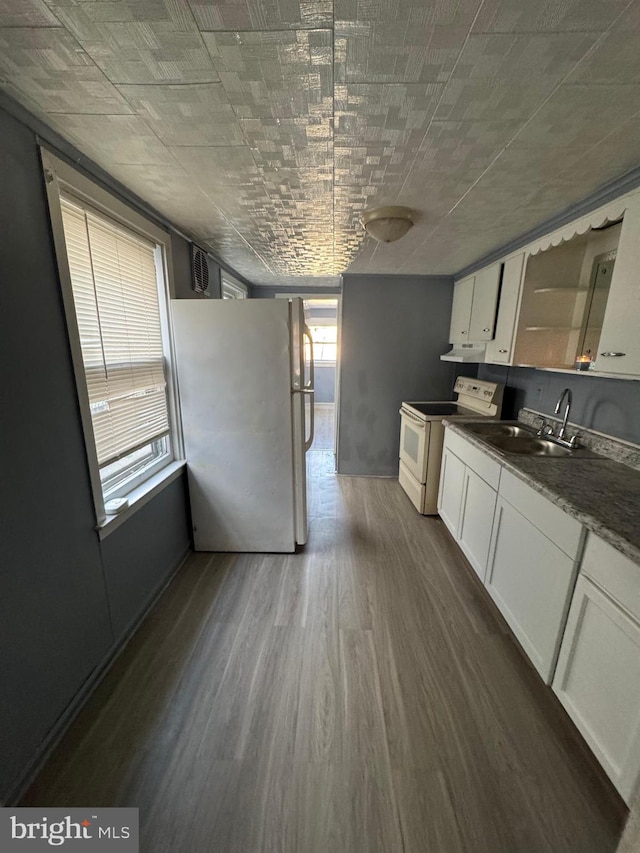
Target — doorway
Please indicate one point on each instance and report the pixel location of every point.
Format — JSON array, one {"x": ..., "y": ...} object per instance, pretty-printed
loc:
[{"x": 321, "y": 314}]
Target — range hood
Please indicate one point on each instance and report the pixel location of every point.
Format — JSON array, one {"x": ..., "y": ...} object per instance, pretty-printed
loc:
[{"x": 465, "y": 352}]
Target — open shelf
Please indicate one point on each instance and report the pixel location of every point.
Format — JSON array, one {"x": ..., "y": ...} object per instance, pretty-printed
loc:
[{"x": 561, "y": 308}]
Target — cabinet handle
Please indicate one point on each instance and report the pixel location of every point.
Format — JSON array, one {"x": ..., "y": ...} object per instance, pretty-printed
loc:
[
  {"x": 503, "y": 350},
  {"x": 486, "y": 330},
  {"x": 613, "y": 354},
  {"x": 463, "y": 333}
]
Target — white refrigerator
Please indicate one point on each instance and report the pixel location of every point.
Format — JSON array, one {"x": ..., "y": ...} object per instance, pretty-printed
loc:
[{"x": 243, "y": 379}]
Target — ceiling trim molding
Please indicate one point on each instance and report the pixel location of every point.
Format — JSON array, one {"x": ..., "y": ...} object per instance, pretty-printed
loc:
[
  {"x": 268, "y": 290},
  {"x": 59, "y": 146},
  {"x": 603, "y": 195},
  {"x": 435, "y": 279}
]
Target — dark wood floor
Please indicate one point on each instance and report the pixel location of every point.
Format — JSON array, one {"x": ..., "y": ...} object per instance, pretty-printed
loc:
[{"x": 361, "y": 695}]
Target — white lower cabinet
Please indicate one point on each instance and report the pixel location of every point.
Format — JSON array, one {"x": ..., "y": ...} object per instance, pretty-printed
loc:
[
  {"x": 450, "y": 495},
  {"x": 476, "y": 519},
  {"x": 532, "y": 568},
  {"x": 531, "y": 581},
  {"x": 467, "y": 498},
  {"x": 598, "y": 674},
  {"x": 575, "y": 611},
  {"x": 522, "y": 546}
]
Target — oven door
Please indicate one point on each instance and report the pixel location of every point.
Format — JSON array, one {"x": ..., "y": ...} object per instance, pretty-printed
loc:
[{"x": 414, "y": 444}]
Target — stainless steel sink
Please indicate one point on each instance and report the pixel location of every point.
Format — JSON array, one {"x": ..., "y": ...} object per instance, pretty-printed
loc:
[
  {"x": 524, "y": 441},
  {"x": 496, "y": 429},
  {"x": 532, "y": 445},
  {"x": 527, "y": 445}
]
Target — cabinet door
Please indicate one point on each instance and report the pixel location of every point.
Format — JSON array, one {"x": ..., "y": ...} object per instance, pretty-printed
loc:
[
  {"x": 500, "y": 349},
  {"x": 598, "y": 682},
  {"x": 531, "y": 580},
  {"x": 461, "y": 311},
  {"x": 450, "y": 496},
  {"x": 485, "y": 300},
  {"x": 476, "y": 520},
  {"x": 619, "y": 348}
]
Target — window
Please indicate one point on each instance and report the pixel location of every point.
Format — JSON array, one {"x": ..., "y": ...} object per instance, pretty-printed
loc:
[
  {"x": 233, "y": 289},
  {"x": 114, "y": 278},
  {"x": 325, "y": 342},
  {"x": 116, "y": 312}
]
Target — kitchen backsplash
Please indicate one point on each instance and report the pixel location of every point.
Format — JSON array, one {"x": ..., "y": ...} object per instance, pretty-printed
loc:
[{"x": 610, "y": 406}]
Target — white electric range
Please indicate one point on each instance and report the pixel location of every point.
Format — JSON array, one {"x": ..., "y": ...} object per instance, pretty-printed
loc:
[{"x": 422, "y": 434}]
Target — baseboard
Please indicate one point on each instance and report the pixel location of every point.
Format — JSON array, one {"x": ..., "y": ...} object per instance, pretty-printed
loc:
[{"x": 72, "y": 710}]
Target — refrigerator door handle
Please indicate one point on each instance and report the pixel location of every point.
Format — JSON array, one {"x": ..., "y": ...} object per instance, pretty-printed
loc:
[
  {"x": 309, "y": 386},
  {"x": 312, "y": 421}
]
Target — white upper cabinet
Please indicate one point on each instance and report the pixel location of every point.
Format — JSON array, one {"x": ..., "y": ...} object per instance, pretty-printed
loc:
[
  {"x": 572, "y": 295},
  {"x": 461, "y": 310},
  {"x": 483, "y": 308},
  {"x": 500, "y": 349},
  {"x": 619, "y": 346},
  {"x": 474, "y": 307}
]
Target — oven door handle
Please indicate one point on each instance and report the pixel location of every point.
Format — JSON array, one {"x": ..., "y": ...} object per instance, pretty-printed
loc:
[{"x": 417, "y": 421}]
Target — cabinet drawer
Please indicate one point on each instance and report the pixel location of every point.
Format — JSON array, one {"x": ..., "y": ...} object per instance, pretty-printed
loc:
[
  {"x": 616, "y": 574},
  {"x": 563, "y": 530},
  {"x": 475, "y": 459}
]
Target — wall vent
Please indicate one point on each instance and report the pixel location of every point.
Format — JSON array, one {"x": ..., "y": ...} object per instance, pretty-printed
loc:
[{"x": 199, "y": 270}]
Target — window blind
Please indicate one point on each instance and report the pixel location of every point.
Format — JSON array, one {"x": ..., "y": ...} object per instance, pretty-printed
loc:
[{"x": 115, "y": 291}]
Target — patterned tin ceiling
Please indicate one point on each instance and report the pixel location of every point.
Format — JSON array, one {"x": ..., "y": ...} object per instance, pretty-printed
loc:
[{"x": 265, "y": 127}]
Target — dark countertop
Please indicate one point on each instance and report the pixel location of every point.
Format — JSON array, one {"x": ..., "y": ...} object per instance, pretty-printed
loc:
[{"x": 602, "y": 494}]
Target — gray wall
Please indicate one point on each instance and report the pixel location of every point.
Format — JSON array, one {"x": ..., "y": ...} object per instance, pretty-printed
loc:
[
  {"x": 611, "y": 406},
  {"x": 394, "y": 329},
  {"x": 66, "y": 600},
  {"x": 325, "y": 383},
  {"x": 133, "y": 555}
]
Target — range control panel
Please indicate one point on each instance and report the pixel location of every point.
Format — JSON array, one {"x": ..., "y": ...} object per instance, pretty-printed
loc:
[{"x": 479, "y": 390}]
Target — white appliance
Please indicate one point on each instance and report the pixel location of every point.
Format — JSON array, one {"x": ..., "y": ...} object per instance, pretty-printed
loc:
[
  {"x": 422, "y": 435},
  {"x": 465, "y": 352},
  {"x": 243, "y": 378}
]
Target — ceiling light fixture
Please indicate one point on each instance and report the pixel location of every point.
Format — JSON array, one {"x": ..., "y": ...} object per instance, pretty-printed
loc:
[{"x": 387, "y": 224}]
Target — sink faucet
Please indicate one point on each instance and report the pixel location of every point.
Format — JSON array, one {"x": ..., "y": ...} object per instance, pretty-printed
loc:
[{"x": 566, "y": 393}]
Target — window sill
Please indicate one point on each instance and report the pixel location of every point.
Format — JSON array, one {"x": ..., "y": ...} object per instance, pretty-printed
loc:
[{"x": 140, "y": 496}]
